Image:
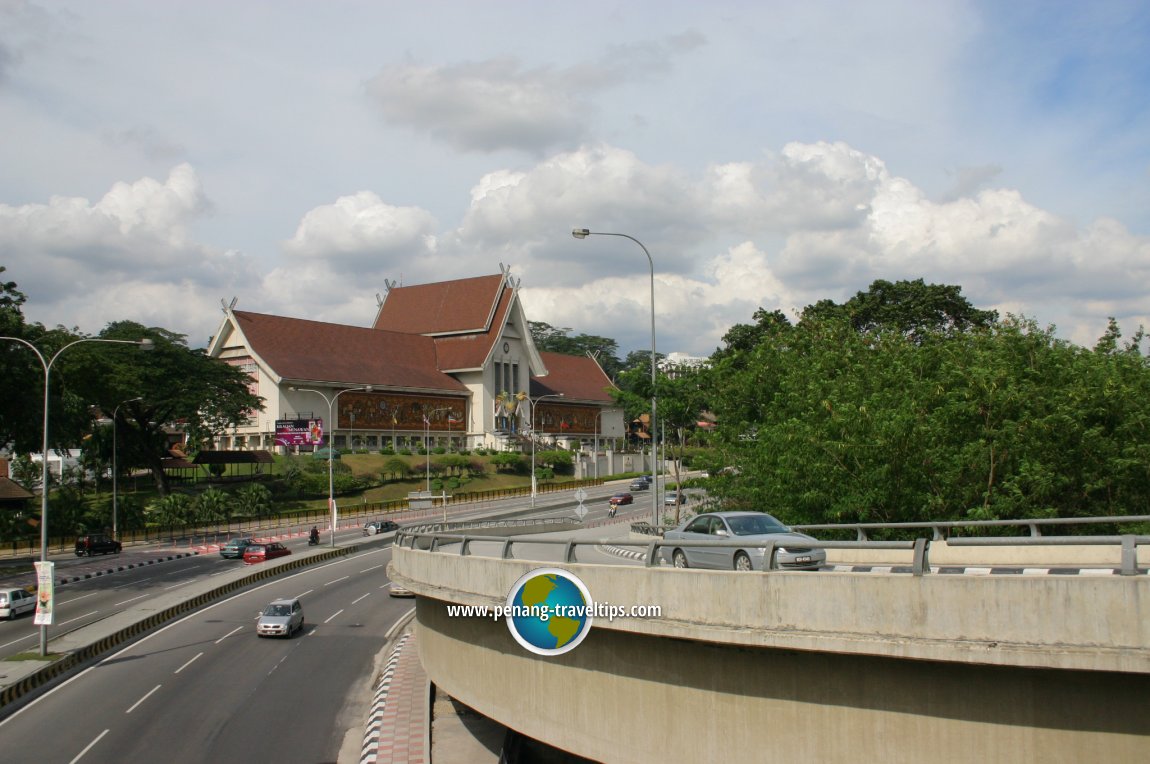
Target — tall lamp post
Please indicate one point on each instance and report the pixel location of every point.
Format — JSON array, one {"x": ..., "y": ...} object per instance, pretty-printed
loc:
[
  {"x": 583, "y": 233},
  {"x": 534, "y": 403},
  {"x": 115, "y": 470},
  {"x": 331, "y": 443},
  {"x": 144, "y": 344},
  {"x": 427, "y": 447}
]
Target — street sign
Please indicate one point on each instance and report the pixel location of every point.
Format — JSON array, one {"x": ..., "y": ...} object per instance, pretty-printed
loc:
[{"x": 580, "y": 496}]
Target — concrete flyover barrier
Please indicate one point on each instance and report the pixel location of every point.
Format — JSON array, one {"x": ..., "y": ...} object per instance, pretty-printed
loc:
[{"x": 783, "y": 665}]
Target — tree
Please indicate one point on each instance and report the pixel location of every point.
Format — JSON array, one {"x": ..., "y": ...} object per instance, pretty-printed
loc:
[
  {"x": 175, "y": 385},
  {"x": 914, "y": 308},
  {"x": 395, "y": 468},
  {"x": 603, "y": 349}
]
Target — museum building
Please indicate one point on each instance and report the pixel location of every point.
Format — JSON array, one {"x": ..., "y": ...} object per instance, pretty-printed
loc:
[{"x": 451, "y": 364}]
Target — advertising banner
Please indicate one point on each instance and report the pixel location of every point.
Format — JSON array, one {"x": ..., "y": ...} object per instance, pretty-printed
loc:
[
  {"x": 299, "y": 432},
  {"x": 45, "y": 596}
]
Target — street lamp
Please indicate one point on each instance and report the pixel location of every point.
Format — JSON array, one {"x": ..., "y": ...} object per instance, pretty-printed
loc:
[
  {"x": 144, "y": 344},
  {"x": 115, "y": 471},
  {"x": 427, "y": 447},
  {"x": 331, "y": 444},
  {"x": 583, "y": 233},
  {"x": 534, "y": 403}
]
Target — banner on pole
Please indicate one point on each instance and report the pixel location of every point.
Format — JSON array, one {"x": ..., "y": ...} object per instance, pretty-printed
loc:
[{"x": 45, "y": 594}]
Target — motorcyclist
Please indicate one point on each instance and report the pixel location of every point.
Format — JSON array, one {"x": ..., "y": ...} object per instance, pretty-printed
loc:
[{"x": 313, "y": 537}]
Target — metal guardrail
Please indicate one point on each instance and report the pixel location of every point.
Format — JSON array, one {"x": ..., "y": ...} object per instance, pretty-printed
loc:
[
  {"x": 433, "y": 538},
  {"x": 941, "y": 530}
]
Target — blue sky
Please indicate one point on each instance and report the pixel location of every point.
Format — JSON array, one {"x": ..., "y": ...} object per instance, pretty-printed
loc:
[{"x": 160, "y": 157}]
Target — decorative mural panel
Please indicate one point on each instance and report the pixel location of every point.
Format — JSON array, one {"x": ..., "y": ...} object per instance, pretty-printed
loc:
[
  {"x": 565, "y": 419},
  {"x": 381, "y": 411}
]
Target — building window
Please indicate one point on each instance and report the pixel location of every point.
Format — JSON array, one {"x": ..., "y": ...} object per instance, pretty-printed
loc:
[{"x": 515, "y": 377}]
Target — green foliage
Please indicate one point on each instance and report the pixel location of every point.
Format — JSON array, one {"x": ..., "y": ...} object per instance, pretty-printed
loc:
[
  {"x": 395, "y": 469},
  {"x": 252, "y": 500},
  {"x": 827, "y": 423},
  {"x": 555, "y": 340},
  {"x": 173, "y": 509},
  {"x": 67, "y": 511},
  {"x": 213, "y": 505},
  {"x": 509, "y": 461},
  {"x": 548, "y": 463}
]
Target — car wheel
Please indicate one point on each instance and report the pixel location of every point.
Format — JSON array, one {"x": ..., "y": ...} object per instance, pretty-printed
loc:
[
  {"x": 742, "y": 562},
  {"x": 679, "y": 559}
]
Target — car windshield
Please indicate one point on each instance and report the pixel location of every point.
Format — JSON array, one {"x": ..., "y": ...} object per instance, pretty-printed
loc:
[
  {"x": 754, "y": 525},
  {"x": 278, "y": 610},
  {"x": 255, "y": 548}
]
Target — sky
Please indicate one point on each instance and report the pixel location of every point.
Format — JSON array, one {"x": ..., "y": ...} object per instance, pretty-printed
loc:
[{"x": 160, "y": 159}]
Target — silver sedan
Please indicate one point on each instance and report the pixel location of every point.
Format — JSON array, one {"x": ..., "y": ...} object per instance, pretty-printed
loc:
[{"x": 751, "y": 530}]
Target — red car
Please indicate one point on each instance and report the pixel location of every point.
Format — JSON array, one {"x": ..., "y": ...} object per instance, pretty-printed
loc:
[
  {"x": 262, "y": 552},
  {"x": 621, "y": 498}
]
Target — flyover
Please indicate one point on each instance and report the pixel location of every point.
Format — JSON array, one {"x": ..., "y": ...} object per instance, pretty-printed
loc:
[{"x": 785, "y": 665}]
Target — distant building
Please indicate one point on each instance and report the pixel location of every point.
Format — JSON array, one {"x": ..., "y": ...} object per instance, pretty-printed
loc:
[
  {"x": 452, "y": 362},
  {"x": 674, "y": 364}
]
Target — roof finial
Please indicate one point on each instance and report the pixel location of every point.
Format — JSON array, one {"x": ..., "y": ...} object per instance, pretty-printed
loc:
[{"x": 225, "y": 307}]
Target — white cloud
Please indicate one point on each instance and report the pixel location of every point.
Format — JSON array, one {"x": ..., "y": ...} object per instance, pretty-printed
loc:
[
  {"x": 361, "y": 231},
  {"x": 501, "y": 103}
]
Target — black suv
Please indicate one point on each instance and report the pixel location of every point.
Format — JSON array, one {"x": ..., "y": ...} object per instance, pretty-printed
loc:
[{"x": 97, "y": 543}]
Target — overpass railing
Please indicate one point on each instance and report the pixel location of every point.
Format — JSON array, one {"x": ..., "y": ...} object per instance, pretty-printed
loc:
[{"x": 437, "y": 538}]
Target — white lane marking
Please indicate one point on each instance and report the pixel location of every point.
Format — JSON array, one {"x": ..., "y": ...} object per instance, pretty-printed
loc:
[
  {"x": 344, "y": 578},
  {"x": 33, "y": 636},
  {"x": 88, "y": 747},
  {"x": 141, "y": 700},
  {"x": 373, "y": 567},
  {"x": 333, "y": 615},
  {"x": 233, "y": 631},
  {"x": 309, "y": 591},
  {"x": 193, "y": 660},
  {"x": 132, "y": 583},
  {"x": 125, "y": 602},
  {"x": 273, "y": 668},
  {"x": 77, "y": 599},
  {"x": 357, "y": 599}
]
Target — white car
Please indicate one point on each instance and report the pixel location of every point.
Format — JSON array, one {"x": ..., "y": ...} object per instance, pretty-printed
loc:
[{"x": 13, "y": 602}]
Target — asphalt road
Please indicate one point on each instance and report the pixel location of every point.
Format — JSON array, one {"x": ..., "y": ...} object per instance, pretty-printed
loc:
[{"x": 206, "y": 688}]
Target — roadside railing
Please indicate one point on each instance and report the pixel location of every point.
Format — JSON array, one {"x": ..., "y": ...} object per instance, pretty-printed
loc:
[{"x": 440, "y": 538}]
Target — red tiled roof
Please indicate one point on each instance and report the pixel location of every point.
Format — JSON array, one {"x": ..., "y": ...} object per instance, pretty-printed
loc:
[
  {"x": 577, "y": 377},
  {"x": 447, "y": 307},
  {"x": 298, "y": 349},
  {"x": 471, "y": 350}
]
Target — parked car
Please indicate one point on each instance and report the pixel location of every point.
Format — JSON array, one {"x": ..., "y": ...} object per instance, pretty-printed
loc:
[
  {"x": 97, "y": 543},
  {"x": 675, "y": 497},
  {"x": 281, "y": 618},
  {"x": 640, "y": 484},
  {"x": 621, "y": 498},
  {"x": 254, "y": 553},
  {"x": 379, "y": 526},
  {"x": 13, "y": 602},
  {"x": 792, "y": 550},
  {"x": 234, "y": 549}
]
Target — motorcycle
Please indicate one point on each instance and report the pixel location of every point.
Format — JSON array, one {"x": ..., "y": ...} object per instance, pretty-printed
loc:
[{"x": 313, "y": 540}]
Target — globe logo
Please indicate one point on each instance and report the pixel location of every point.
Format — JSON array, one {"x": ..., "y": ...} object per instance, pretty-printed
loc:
[{"x": 549, "y": 611}]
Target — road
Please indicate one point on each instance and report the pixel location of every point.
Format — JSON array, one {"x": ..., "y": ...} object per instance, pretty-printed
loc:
[{"x": 205, "y": 688}]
